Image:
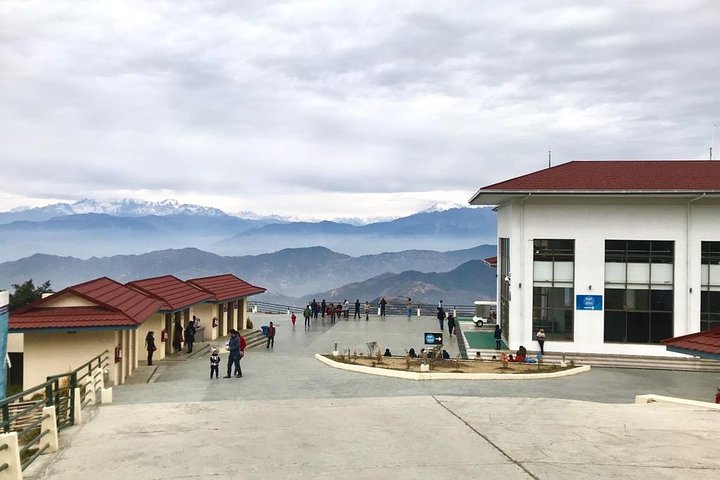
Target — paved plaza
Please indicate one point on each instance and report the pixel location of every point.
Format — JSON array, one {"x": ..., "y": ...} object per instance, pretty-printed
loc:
[{"x": 291, "y": 416}]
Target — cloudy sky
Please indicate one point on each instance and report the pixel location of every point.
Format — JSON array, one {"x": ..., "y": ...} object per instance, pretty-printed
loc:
[{"x": 342, "y": 108}]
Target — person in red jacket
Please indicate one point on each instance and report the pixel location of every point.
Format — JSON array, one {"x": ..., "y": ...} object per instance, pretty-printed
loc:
[{"x": 271, "y": 336}]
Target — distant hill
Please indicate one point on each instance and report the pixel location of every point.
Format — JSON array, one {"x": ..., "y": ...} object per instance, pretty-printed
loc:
[
  {"x": 290, "y": 272},
  {"x": 473, "y": 280},
  {"x": 128, "y": 231}
]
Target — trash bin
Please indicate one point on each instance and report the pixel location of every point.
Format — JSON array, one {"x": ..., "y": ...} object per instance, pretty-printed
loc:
[{"x": 265, "y": 329}]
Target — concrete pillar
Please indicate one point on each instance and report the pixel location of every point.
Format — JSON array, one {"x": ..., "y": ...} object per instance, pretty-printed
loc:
[
  {"x": 11, "y": 456},
  {"x": 77, "y": 406},
  {"x": 49, "y": 423},
  {"x": 90, "y": 389}
]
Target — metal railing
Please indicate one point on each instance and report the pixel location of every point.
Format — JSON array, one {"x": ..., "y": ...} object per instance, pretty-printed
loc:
[
  {"x": 426, "y": 309},
  {"x": 23, "y": 412}
]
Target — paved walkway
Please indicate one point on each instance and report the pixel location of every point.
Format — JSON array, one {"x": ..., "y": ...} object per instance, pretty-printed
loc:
[{"x": 292, "y": 417}]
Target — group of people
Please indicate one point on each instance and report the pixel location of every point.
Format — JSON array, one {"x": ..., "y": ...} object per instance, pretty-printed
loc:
[
  {"x": 429, "y": 353},
  {"x": 334, "y": 311},
  {"x": 180, "y": 335},
  {"x": 450, "y": 316}
]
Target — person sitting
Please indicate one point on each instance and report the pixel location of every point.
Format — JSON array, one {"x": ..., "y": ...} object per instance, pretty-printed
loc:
[
  {"x": 387, "y": 353},
  {"x": 511, "y": 358},
  {"x": 445, "y": 355},
  {"x": 478, "y": 355},
  {"x": 521, "y": 354},
  {"x": 411, "y": 353}
]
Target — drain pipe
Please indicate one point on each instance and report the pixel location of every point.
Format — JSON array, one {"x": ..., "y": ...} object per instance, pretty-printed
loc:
[{"x": 687, "y": 264}]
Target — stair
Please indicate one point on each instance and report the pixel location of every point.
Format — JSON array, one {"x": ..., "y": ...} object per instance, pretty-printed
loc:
[{"x": 254, "y": 338}]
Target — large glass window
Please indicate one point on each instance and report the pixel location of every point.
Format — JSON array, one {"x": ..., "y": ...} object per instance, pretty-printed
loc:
[
  {"x": 553, "y": 287},
  {"x": 710, "y": 283},
  {"x": 638, "y": 291}
]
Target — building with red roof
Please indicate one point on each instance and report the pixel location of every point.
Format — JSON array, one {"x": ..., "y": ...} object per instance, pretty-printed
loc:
[
  {"x": 608, "y": 256},
  {"x": 66, "y": 329},
  {"x": 228, "y": 308}
]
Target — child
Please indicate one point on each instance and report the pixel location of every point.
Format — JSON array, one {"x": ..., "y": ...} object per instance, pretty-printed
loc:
[
  {"x": 214, "y": 363},
  {"x": 293, "y": 319}
]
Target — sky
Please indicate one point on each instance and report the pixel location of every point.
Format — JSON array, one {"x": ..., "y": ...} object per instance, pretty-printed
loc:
[{"x": 327, "y": 109}]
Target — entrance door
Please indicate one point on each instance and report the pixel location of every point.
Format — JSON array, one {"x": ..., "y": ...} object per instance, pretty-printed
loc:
[
  {"x": 231, "y": 316},
  {"x": 169, "y": 333}
]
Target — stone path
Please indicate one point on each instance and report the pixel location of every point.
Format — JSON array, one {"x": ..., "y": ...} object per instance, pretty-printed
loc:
[{"x": 292, "y": 417}]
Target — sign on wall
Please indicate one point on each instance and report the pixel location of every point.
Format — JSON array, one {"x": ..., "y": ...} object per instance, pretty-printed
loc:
[{"x": 588, "y": 302}]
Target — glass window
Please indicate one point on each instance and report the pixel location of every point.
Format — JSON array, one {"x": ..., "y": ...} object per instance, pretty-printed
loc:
[
  {"x": 553, "y": 307},
  {"x": 615, "y": 326},
  {"x": 614, "y": 299},
  {"x": 710, "y": 299}
]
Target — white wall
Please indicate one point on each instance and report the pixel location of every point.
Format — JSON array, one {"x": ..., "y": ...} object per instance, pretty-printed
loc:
[{"x": 590, "y": 222}]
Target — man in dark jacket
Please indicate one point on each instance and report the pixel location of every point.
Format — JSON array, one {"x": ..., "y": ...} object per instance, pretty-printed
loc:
[{"x": 190, "y": 336}]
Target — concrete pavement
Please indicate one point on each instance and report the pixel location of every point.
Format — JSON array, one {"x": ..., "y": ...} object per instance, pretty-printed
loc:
[{"x": 292, "y": 417}]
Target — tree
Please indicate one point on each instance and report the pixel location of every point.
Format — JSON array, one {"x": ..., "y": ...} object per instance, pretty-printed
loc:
[{"x": 26, "y": 293}]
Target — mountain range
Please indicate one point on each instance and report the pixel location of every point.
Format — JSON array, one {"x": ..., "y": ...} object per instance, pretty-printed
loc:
[
  {"x": 129, "y": 230},
  {"x": 288, "y": 273}
]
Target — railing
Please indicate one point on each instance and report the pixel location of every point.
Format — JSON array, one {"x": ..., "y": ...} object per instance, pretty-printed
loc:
[
  {"x": 425, "y": 309},
  {"x": 24, "y": 412}
]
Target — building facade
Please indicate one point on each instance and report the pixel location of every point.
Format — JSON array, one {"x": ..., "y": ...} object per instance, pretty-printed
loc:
[{"x": 608, "y": 257}]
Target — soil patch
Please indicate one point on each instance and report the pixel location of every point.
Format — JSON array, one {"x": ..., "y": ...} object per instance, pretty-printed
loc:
[{"x": 451, "y": 366}]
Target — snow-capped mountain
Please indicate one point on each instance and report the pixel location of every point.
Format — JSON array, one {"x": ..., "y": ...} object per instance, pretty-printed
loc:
[
  {"x": 121, "y": 208},
  {"x": 443, "y": 207}
]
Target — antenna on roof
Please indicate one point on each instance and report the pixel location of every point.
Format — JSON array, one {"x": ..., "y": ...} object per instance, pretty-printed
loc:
[
  {"x": 550, "y": 158},
  {"x": 712, "y": 140}
]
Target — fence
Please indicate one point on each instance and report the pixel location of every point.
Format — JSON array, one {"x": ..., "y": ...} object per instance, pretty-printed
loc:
[
  {"x": 33, "y": 416},
  {"x": 390, "y": 309}
]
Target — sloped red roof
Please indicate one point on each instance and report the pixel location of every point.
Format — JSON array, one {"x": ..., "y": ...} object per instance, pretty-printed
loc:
[
  {"x": 117, "y": 305},
  {"x": 226, "y": 287},
  {"x": 69, "y": 317},
  {"x": 632, "y": 176},
  {"x": 491, "y": 261},
  {"x": 174, "y": 292},
  {"x": 707, "y": 342}
]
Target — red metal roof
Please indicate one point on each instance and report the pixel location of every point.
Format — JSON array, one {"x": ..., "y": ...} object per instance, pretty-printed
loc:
[
  {"x": 116, "y": 305},
  {"x": 707, "y": 342},
  {"x": 490, "y": 261},
  {"x": 618, "y": 175},
  {"x": 174, "y": 292},
  {"x": 69, "y": 318},
  {"x": 226, "y": 287}
]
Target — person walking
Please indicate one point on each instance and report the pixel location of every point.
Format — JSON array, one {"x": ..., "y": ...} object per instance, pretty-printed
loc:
[
  {"x": 540, "y": 336},
  {"x": 293, "y": 319},
  {"x": 498, "y": 337},
  {"x": 367, "y": 310},
  {"x": 234, "y": 354},
  {"x": 190, "y": 336},
  {"x": 271, "y": 336},
  {"x": 150, "y": 346},
  {"x": 214, "y": 363},
  {"x": 451, "y": 323},
  {"x": 177, "y": 336},
  {"x": 383, "y": 303},
  {"x": 357, "y": 309},
  {"x": 408, "y": 307},
  {"x": 441, "y": 318}
]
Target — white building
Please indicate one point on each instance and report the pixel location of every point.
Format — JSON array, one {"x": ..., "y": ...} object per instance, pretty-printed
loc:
[{"x": 608, "y": 256}]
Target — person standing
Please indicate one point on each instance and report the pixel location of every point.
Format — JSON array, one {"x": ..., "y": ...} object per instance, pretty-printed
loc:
[
  {"x": 441, "y": 318},
  {"x": 293, "y": 318},
  {"x": 498, "y": 337},
  {"x": 150, "y": 346},
  {"x": 271, "y": 336},
  {"x": 234, "y": 354},
  {"x": 408, "y": 307},
  {"x": 383, "y": 303},
  {"x": 177, "y": 336},
  {"x": 214, "y": 363},
  {"x": 367, "y": 310},
  {"x": 357, "y": 309},
  {"x": 346, "y": 309},
  {"x": 190, "y": 336},
  {"x": 314, "y": 308},
  {"x": 541, "y": 340},
  {"x": 451, "y": 323},
  {"x": 307, "y": 313},
  {"x": 323, "y": 306}
]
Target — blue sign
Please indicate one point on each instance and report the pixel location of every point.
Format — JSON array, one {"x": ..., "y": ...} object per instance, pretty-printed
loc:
[
  {"x": 432, "y": 338},
  {"x": 588, "y": 302}
]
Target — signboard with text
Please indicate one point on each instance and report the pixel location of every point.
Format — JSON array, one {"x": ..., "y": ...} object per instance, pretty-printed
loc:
[{"x": 588, "y": 302}]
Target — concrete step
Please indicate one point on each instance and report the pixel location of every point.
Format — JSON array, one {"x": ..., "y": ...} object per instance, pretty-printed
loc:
[{"x": 622, "y": 361}]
